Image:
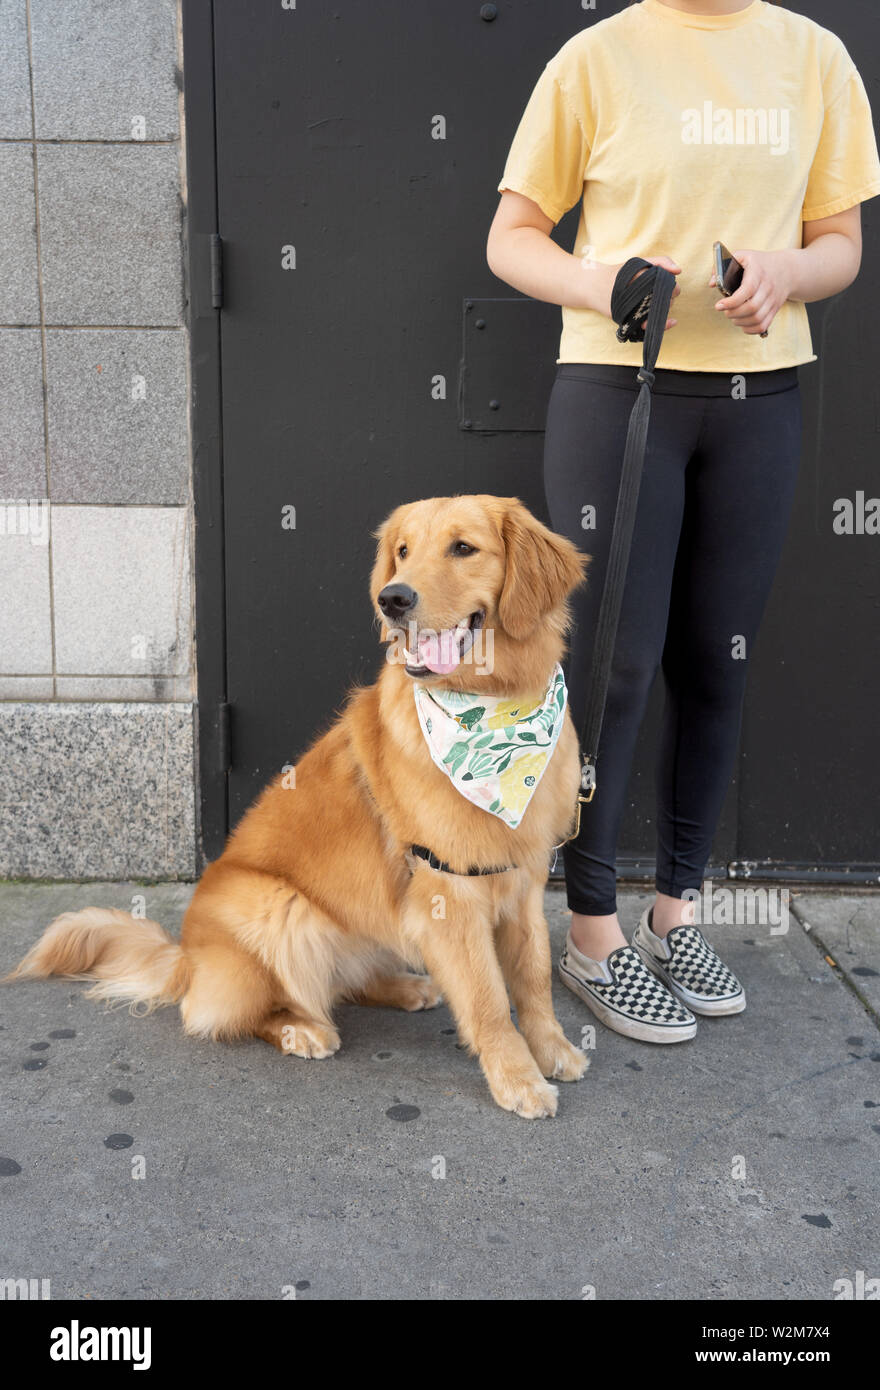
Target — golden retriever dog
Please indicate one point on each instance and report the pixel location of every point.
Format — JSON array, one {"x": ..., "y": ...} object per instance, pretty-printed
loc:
[{"x": 318, "y": 897}]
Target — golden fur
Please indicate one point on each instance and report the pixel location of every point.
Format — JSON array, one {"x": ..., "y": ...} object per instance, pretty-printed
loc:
[{"x": 316, "y": 897}]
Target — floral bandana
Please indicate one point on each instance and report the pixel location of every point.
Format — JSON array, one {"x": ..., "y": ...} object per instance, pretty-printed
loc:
[{"x": 495, "y": 751}]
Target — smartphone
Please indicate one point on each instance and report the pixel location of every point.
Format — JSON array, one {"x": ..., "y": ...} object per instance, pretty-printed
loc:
[{"x": 728, "y": 271}]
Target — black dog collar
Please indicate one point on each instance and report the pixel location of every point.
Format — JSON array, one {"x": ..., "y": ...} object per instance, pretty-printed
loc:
[{"x": 430, "y": 858}]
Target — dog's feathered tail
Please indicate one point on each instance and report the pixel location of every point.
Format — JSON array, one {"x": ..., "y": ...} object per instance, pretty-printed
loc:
[{"x": 128, "y": 958}]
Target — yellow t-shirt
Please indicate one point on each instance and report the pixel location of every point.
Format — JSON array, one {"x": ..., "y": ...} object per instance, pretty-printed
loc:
[{"x": 677, "y": 130}]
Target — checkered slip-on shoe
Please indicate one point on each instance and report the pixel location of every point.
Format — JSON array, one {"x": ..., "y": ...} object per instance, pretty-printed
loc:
[
  {"x": 625, "y": 996},
  {"x": 688, "y": 966}
]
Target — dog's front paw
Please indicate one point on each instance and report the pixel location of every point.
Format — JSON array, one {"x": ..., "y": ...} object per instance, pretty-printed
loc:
[
  {"x": 529, "y": 1096},
  {"x": 557, "y": 1057}
]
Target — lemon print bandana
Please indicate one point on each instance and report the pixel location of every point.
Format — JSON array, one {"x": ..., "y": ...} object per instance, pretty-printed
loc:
[{"x": 494, "y": 751}]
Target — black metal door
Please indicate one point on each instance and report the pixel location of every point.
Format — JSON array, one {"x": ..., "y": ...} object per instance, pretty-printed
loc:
[{"x": 364, "y": 355}]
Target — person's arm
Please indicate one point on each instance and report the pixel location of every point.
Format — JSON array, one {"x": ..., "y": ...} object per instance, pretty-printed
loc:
[
  {"x": 827, "y": 262},
  {"x": 521, "y": 252},
  {"x": 830, "y": 258}
]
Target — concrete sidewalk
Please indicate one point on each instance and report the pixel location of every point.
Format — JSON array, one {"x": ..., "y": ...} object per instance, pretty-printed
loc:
[{"x": 263, "y": 1172}]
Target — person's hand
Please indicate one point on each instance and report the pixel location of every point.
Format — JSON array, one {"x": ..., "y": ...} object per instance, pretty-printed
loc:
[
  {"x": 668, "y": 264},
  {"x": 766, "y": 285}
]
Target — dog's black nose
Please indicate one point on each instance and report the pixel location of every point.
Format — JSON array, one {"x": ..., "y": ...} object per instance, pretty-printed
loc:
[{"x": 397, "y": 599}]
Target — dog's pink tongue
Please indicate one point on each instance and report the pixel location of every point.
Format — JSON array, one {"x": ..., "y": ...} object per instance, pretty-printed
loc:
[{"x": 440, "y": 651}]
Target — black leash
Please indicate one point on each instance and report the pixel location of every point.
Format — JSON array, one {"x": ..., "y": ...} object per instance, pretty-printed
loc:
[{"x": 631, "y": 302}]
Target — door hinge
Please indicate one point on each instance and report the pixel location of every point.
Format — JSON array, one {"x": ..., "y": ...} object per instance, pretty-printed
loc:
[
  {"x": 224, "y": 739},
  {"x": 216, "y": 271}
]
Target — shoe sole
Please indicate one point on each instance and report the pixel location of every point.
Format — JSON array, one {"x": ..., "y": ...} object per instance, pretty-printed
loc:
[
  {"x": 621, "y": 1023},
  {"x": 709, "y": 1008}
]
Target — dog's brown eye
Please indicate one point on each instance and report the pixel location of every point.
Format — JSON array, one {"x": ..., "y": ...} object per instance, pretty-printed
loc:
[
  {"x": 401, "y": 550},
  {"x": 462, "y": 548}
]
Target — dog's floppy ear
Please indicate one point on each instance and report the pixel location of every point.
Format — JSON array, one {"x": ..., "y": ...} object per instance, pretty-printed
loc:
[
  {"x": 383, "y": 567},
  {"x": 541, "y": 571}
]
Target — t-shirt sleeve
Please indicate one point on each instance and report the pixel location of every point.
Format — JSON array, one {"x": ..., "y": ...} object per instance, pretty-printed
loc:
[
  {"x": 845, "y": 169},
  {"x": 548, "y": 158}
]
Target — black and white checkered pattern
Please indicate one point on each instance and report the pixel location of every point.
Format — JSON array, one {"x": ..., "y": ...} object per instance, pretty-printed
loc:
[
  {"x": 633, "y": 992},
  {"x": 695, "y": 967}
]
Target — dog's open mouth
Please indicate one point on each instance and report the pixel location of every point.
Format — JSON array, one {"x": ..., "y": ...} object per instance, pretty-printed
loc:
[{"x": 438, "y": 653}]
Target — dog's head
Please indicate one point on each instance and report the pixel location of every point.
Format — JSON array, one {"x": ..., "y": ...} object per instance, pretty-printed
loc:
[{"x": 473, "y": 581}]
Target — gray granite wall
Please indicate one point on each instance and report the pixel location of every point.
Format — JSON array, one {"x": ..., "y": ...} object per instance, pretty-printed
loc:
[{"x": 96, "y": 649}]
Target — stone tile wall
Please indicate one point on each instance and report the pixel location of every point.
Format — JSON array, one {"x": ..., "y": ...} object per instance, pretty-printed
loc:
[{"x": 96, "y": 643}]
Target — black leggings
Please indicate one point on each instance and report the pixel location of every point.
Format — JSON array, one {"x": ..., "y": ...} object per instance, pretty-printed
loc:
[{"x": 715, "y": 500}]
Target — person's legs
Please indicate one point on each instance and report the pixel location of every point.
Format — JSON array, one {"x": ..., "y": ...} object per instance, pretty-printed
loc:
[
  {"x": 583, "y": 455},
  {"x": 739, "y": 489}
]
